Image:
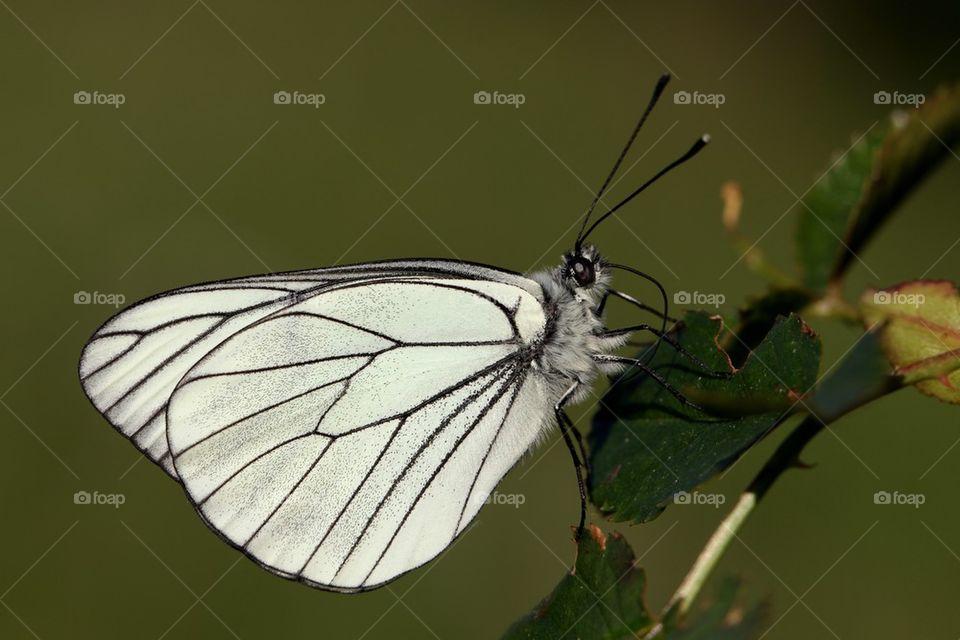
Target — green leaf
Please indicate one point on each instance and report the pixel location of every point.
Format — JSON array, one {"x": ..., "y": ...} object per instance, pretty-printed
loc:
[
  {"x": 858, "y": 193},
  {"x": 646, "y": 446},
  {"x": 601, "y": 599},
  {"x": 862, "y": 376},
  {"x": 758, "y": 315},
  {"x": 724, "y": 619},
  {"x": 920, "y": 334},
  {"x": 828, "y": 208}
]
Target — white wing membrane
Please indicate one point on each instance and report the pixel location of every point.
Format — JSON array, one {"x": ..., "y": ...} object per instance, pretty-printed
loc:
[
  {"x": 353, "y": 460},
  {"x": 390, "y": 540},
  {"x": 132, "y": 364},
  {"x": 339, "y": 426}
]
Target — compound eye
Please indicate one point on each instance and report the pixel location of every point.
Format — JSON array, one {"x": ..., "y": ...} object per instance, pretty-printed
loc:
[{"x": 582, "y": 271}]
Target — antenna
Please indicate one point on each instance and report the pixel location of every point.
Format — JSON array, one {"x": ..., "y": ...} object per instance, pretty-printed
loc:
[
  {"x": 657, "y": 92},
  {"x": 694, "y": 150}
]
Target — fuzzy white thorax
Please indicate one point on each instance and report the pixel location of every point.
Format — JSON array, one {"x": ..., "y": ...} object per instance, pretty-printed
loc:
[{"x": 573, "y": 334}]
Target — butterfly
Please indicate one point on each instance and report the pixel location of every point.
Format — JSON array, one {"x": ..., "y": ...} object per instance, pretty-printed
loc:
[{"x": 342, "y": 426}]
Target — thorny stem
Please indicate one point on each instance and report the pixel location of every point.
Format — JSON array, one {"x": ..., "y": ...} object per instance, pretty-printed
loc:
[{"x": 785, "y": 457}]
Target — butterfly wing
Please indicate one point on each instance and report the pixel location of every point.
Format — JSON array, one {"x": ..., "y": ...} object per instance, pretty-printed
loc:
[
  {"x": 350, "y": 437},
  {"x": 131, "y": 365}
]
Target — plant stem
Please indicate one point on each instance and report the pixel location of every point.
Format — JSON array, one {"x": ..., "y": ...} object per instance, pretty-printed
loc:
[
  {"x": 785, "y": 457},
  {"x": 708, "y": 558}
]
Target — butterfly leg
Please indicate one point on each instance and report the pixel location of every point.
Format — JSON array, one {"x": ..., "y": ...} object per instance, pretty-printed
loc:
[
  {"x": 639, "y": 364},
  {"x": 566, "y": 427},
  {"x": 670, "y": 340},
  {"x": 581, "y": 447}
]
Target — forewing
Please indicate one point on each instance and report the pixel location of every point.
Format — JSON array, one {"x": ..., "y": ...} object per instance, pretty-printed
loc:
[
  {"x": 349, "y": 438},
  {"x": 131, "y": 365}
]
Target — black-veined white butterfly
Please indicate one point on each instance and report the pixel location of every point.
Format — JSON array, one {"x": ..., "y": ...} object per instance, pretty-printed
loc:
[{"x": 342, "y": 426}]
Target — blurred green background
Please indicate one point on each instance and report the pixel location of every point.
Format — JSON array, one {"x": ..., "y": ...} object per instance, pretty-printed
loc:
[{"x": 97, "y": 198}]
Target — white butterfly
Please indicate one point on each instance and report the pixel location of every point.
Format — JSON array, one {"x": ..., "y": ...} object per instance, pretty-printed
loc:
[{"x": 342, "y": 426}]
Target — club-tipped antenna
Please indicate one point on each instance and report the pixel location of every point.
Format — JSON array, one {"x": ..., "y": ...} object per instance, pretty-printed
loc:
[
  {"x": 694, "y": 150},
  {"x": 657, "y": 92}
]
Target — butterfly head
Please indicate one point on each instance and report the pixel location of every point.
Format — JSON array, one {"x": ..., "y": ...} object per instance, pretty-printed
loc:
[{"x": 584, "y": 269}]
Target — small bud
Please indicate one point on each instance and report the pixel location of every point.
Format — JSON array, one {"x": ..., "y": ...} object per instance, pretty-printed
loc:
[{"x": 732, "y": 202}]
